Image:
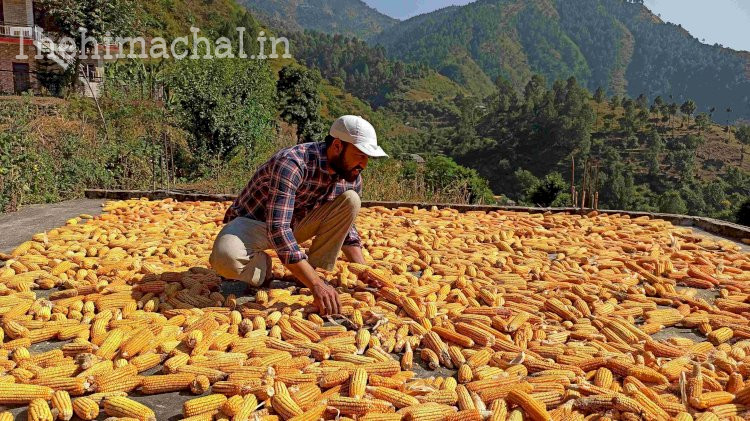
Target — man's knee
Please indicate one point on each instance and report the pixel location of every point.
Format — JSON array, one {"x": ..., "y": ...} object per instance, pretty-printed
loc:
[
  {"x": 351, "y": 200},
  {"x": 226, "y": 257}
]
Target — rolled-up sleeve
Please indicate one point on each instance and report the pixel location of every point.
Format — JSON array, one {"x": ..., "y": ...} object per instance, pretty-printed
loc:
[
  {"x": 352, "y": 237},
  {"x": 286, "y": 177}
]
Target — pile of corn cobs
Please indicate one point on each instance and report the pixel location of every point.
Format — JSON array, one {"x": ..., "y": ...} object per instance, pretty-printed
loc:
[{"x": 522, "y": 316}]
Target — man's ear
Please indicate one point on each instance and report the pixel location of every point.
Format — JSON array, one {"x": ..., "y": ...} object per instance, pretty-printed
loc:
[{"x": 337, "y": 145}]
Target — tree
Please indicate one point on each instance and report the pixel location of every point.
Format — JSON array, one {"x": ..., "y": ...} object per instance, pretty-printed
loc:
[
  {"x": 714, "y": 194},
  {"x": 223, "y": 103},
  {"x": 743, "y": 214},
  {"x": 642, "y": 102},
  {"x": 97, "y": 16},
  {"x": 658, "y": 102},
  {"x": 599, "y": 95},
  {"x": 525, "y": 181},
  {"x": 702, "y": 121},
  {"x": 743, "y": 135},
  {"x": 672, "y": 107},
  {"x": 299, "y": 102},
  {"x": 443, "y": 173},
  {"x": 688, "y": 107},
  {"x": 614, "y": 102},
  {"x": 546, "y": 190},
  {"x": 671, "y": 202}
]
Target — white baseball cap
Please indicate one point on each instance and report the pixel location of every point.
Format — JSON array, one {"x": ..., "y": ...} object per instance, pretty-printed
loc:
[{"x": 359, "y": 132}]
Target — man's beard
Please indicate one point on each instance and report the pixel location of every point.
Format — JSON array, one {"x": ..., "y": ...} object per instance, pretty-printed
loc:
[{"x": 349, "y": 175}]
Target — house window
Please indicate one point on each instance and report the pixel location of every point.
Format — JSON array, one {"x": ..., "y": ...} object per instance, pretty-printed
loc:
[{"x": 2, "y": 12}]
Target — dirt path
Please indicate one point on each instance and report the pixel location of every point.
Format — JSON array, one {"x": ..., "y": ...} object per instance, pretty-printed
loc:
[{"x": 17, "y": 227}]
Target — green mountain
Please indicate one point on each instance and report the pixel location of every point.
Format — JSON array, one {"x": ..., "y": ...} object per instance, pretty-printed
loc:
[
  {"x": 346, "y": 17},
  {"x": 618, "y": 45}
]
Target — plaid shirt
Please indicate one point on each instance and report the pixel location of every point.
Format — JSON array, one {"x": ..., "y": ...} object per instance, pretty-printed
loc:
[{"x": 285, "y": 189}]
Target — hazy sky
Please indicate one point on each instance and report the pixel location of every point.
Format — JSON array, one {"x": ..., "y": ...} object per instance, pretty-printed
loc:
[{"x": 724, "y": 21}]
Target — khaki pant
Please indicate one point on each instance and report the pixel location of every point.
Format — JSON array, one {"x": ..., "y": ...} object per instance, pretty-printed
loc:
[{"x": 238, "y": 251}]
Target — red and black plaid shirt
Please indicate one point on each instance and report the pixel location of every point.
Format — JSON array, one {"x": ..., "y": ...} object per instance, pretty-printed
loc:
[{"x": 285, "y": 189}]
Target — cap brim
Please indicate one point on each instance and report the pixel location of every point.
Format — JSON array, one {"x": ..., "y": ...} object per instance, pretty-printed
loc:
[{"x": 372, "y": 151}]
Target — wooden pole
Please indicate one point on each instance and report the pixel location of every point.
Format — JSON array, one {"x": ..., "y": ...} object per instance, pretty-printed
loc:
[
  {"x": 583, "y": 184},
  {"x": 573, "y": 179}
]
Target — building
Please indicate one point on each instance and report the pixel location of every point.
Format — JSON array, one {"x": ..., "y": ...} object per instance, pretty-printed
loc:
[{"x": 21, "y": 38}]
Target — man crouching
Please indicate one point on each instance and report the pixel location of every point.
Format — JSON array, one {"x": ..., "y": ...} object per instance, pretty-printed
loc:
[{"x": 304, "y": 191}]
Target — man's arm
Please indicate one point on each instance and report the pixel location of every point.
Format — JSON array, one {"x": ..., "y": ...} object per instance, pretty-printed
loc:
[
  {"x": 286, "y": 177},
  {"x": 352, "y": 247},
  {"x": 353, "y": 254}
]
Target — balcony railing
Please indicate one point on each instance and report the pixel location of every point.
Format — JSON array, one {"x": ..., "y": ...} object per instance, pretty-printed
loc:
[{"x": 16, "y": 31}]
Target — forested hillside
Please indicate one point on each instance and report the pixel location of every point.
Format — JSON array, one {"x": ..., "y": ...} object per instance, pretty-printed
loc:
[
  {"x": 618, "y": 45},
  {"x": 346, "y": 17},
  {"x": 206, "y": 124},
  {"x": 195, "y": 124}
]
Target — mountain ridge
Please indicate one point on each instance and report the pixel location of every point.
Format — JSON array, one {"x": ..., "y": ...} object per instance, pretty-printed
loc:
[
  {"x": 620, "y": 46},
  {"x": 346, "y": 17}
]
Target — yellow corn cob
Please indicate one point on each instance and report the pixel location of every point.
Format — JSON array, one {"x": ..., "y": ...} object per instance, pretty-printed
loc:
[
  {"x": 381, "y": 416},
  {"x": 121, "y": 379},
  {"x": 479, "y": 358},
  {"x": 454, "y": 337},
  {"x": 447, "y": 397},
  {"x": 39, "y": 410},
  {"x": 203, "y": 404},
  {"x": 86, "y": 408},
  {"x": 152, "y": 385},
  {"x": 61, "y": 402},
  {"x": 18, "y": 394},
  {"x": 534, "y": 409},
  {"x": 232, "y": 405},
  {"x": 465, "y": 415},
  {"x": 283, "y": 404},
  {"x": 110, "y": 345},
  {"x": 429, "y": 357},
  {"x": 710, "y": 399},
  {"x": 683, "y": 416},
  {"x": 119, "y": 406},
  {"x": 357, "y": 383},
  {"x": 720, "y": 335},
  {"x": 395, "y": 397},
  {"x": 246, "y": 408},
  {"x": 351, "y": 406},
  {"x": 427, "y": 412},
  {"x": 138, "y": 342}
]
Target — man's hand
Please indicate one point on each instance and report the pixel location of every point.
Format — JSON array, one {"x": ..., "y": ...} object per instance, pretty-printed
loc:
[
  {"x": 326, "y": 298},
  {"x": 371, "y": 281}
]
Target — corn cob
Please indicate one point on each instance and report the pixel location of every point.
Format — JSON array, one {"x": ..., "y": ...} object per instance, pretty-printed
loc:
[
  {"x": 119, "y": 406},
  {"x": 86, "y": 408},
  {"x": 534, "y": 409},
  {"x": 39, "y": 410},
  {"x": 283, "y": 404},
  {"x": 203, "y": 404},
  {"x": 351, "y": 406},
  {"x": 18, "y": 394},
  {"x": 152, "y": 385},
  {"x": 62, "y": 404},
  {"x": 357, "y": 383}
]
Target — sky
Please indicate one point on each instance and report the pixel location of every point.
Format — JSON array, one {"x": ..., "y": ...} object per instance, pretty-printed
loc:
[{"x": 726, "y": 22}]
